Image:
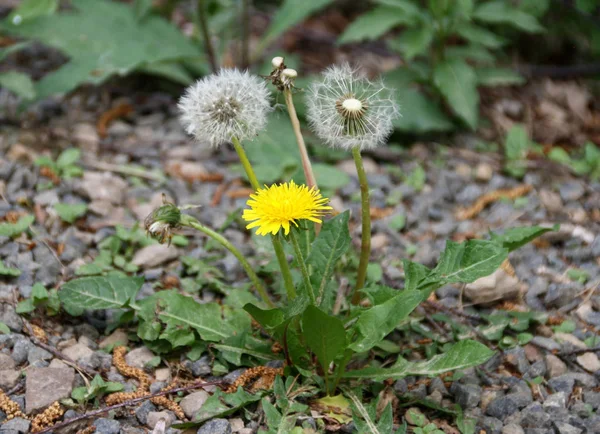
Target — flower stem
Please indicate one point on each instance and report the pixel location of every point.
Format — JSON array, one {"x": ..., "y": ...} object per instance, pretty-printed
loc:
[
  {"x": 311, "y": 181},
  {"x": 303, "y": 268},
  {"x": 191, "y": 222},
  {"x": 365, "y": 248},
  {"x": 203, "y": 27},
  {"x": 245, "y": 163},
  {"x": 277, "y": 246}
]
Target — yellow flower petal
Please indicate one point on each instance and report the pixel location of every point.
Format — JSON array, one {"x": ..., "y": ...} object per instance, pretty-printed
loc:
[{"x": 275, "y": 207}]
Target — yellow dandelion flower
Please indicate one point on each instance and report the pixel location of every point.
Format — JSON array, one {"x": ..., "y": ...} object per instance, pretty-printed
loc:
[{"x": 275, "y": 207}]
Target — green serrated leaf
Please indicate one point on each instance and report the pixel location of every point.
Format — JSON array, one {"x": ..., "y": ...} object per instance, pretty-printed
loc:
[
  {"x": 457, "y": 82},
  {"x": 70, "y": 212},
  {"x": 15, "y": 229},
  {"x": 329, "y": 246},
  {"x": 377, "y": 322},
  {"x": 101, "y": 292},
  {"x": 424, "y": 114},
  {"x": 462, "y": 355},
  {"x": 414, "y": 273},
  {"x": 68, "y": 157},
  {"x": 514, "y": 238},
  {"x": 464, "y": 263},
  {"x": 415, "y": 41},
  {"x": 324, "y": 335}
]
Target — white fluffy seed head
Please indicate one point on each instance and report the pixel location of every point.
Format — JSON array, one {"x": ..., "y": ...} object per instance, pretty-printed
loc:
[
  {"x": 228, "y": 104},
  {"x": 277, "y": 62},
  {"x": 347, "y": 110}
]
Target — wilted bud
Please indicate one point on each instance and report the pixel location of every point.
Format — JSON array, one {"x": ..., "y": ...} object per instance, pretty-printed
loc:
[
  {"x": 160, "y": 223},
  {"x": 288, "y": 76},
  {"x": 277, "y": 62}
]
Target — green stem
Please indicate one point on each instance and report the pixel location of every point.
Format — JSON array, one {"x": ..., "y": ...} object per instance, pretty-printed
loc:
[
  {"x": 277, "y": 246},
  {"x": 191, "y": 222},
  {"x": 303, "y": 268},
  {"x": 365, "y": 248},
  {"x": 245, "y": 163},
  {"x": 203, "y": 27},
  {"x": 285, "y": 268}
]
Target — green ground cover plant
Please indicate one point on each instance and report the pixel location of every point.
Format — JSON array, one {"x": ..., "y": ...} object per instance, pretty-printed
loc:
[{"x": 325, "y": 340}]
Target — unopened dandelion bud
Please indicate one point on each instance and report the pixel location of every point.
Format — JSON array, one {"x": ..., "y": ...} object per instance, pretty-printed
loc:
[
  {"x": 226, "y": 105},
  {"x": 347, "y": 110},
  {"x": 161, "y": 222},
  {"x": 289, "y": 73},
  {"x": 277, "y": 62}
]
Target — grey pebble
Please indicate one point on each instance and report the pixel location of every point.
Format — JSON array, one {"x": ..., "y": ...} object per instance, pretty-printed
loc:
[
  {"x": 17, "y": 424},
  {"x": 107, "y": 426},
  {"x": 215, "y": 426},
  {"x": 534, "y": 416},
  {"x": 21, "y": 350},
  {"x": 502, "y": 407},
  {"x": 545, "y": 343},
  {"x": 565, "y": 428},
  {"x": 491, "y": 425},
  {"x": 466, "y": 395},
  {"x": 571, "y": 191},
  {"x": 141, "y": 413}
]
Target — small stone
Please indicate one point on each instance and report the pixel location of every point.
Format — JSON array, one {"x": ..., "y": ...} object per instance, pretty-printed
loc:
[
  {"x": 467, "y": 395},
  {"x": 139, "y": 357},
  {"x": 592, "y": 398},
  {"x": 516, "y": 358},
  {"x": 192, "y": 403},
  {"x": 491, "y": 425},
  {"x": 565, "y": 428},
  {"x": 141, "y": 413},
  {"x": 77, "y": 352},
  {"x": 9, "y": 317},
  {"x": 116, "y": 338},
  {"x": 17, "y": 425},
  {"x": 555, "y": 366},
  {"x": 400, "y": 386},
  {"x": 555, "y": 401},
  {"x": 216, "y": 426},
  {"x": 107, "y": 426},
  {"x": 45, "y": 385},
  {"x": 551, "y": 200},
  {"x": 379, "y": 241},
  {"x": 534, "y": 416},
  {"x": 545, "y": 343},
  {"x": 155, "y": 416},
  {"x": 154, "y": 255},
  {"x": 104, "y": 186},
  {"x": 237, "y": 424},
  {"x": 6, "y": 362},
  {"x": 570, "y": 339},
  {"x": 512, "y": 428},
  {"x": 9, "y": 378},
  {"x": 86, "y": 136},
  {"x": 20, "y": 350},
  {"x": 589, "y": 362},
  {"x": 484, "y": 172},
  {"x": 571, "y": 191},
  {"x": 38, "y": 356},
  {"x": 162, "y": 375},
  {"x": 502, "y": 407}
]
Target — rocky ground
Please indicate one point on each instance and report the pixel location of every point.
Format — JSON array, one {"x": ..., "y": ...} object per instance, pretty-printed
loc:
[{"x": 549, "y": 383}]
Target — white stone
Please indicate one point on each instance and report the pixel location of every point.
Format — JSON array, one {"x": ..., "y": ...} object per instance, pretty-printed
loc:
[
  {"x": 192, "y": 403},
  {"x": 139, "y": 357},
  {"x": 153, "y": 255},
  {"x": 77, "y": 351},
  {"x": 589, "y": 362}
]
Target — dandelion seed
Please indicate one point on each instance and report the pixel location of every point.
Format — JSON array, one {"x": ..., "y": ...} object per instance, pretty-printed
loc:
[
  {"x": 228, "y": 104},
  {"x": 275, "y": 207},
  {"x": 347, "y": 110}
]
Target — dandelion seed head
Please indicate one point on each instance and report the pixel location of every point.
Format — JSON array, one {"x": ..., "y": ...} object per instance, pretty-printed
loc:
[
  {"x": 228, "y": 104},
  {"x": 278, "y": 206},
  {"x": 347, "y": 110}
]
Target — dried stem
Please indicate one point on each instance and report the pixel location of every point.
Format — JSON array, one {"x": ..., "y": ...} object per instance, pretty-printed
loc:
[
  {"x": 203, "y": 27},
  {"x": 128, "y": 403},
  {"x": 245, "y": 23}
]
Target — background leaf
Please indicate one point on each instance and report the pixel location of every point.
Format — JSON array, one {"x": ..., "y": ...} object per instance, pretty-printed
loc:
[
  {"x": 18, "y": 83},
  {"x": 502, "y": 12},
  {"x": 70, "y": 212},
  {"x": 373, "y": 24},
  {"x": 498, "y": 77},
  {"x": 514, "y": 238},
  {"x": 14, "y": 229},
  {"x": 457, "y": 81}
]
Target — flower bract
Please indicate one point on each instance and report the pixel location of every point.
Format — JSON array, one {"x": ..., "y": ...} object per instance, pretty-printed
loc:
[
  {"x": 275, "y": 207},
  {"x": 228, "y": 104},
  {"x": 347, "y": 110}
]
